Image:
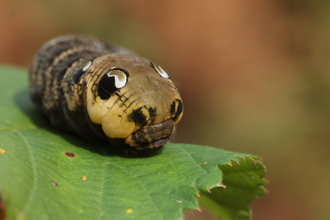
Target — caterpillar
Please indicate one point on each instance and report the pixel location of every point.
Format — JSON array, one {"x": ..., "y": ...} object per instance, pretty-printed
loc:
[{"x": 98, "y": 90}]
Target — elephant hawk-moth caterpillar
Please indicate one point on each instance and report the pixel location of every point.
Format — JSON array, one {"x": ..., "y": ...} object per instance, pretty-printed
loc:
[{"x": 101, "y": 91}]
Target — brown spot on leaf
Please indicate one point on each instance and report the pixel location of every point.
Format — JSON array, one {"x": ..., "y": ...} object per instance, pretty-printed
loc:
[
  {"x": 70, "y": 154},
  {"x": 55, "y": 183}
]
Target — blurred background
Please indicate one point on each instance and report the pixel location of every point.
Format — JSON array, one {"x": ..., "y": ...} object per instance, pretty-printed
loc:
[{"x": 254, "y": 77}]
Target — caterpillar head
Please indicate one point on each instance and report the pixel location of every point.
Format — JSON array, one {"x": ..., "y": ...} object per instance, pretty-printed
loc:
[{"x": 134, "y": 101}]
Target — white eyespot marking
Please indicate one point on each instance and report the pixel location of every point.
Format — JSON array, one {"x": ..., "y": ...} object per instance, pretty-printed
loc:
[
  {"x": 161, "y": 72},
  {"x": 120, "y": 78},
  {"x": 86, "y": 66}
]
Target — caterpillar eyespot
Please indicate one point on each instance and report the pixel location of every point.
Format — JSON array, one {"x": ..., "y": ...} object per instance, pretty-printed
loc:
[
  {"x": 160, "y": 71},
  {"x": 115, "y": 79},
  {"x": 101, "y": 91},
  {"x": 120, "y": 77}
]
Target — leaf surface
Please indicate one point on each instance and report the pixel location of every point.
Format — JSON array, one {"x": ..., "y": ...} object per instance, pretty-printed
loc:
[{"x": 45, "y": 174}]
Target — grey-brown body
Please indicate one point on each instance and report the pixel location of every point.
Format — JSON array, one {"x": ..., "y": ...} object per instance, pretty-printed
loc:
[{"x": 99, "y": 90}]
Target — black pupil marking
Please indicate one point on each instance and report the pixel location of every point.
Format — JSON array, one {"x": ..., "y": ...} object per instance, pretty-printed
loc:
[
  {"x": 152, "y": 112},
  {"x": 179, "y": 109},
  {"x": 138, "y": 117},
  {"x": 107, "y": 84},
  {"x": 106, "y": 87}
]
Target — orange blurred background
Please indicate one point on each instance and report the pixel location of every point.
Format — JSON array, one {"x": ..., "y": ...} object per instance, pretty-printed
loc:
[{"x": 254, "y": 77}]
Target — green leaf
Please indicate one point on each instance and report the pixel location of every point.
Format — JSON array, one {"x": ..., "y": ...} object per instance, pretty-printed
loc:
[
  {"x": 45, "y": 174},
  {"x": 242, "y": 184}
]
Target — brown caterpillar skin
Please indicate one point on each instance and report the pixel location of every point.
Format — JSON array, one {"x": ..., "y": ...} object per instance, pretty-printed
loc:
[{"x": 100, "y": 91}]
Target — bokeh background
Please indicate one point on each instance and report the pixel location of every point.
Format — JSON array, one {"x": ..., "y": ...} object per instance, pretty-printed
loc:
[{"x": 254, "y": 77}]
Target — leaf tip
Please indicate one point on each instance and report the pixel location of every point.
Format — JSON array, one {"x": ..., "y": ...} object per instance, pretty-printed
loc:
[
  {"x": 241, "y": 158},
  {"x": 222, "y": 186},
  {"x": 253, "y": 158}
]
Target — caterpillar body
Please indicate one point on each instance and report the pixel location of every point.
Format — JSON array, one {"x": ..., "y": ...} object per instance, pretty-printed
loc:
[{"x": 98, "y": 90}]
